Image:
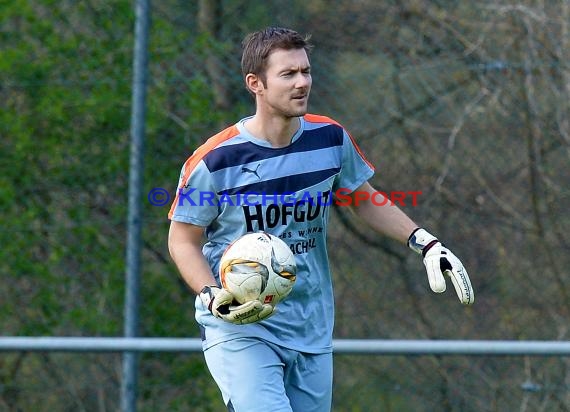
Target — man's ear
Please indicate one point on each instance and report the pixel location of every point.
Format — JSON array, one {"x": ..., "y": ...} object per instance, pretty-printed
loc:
[{"x": 254, "y": 83}]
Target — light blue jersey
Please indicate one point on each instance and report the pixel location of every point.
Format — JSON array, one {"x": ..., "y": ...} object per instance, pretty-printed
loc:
[{"x": 236, "y": 183}]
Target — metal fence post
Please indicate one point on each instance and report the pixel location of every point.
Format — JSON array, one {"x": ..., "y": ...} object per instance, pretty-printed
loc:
[{"x": 133, "y": 254}]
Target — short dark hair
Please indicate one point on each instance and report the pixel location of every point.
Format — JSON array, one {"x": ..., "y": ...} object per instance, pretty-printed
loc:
[{"x": 257, "y": 47}]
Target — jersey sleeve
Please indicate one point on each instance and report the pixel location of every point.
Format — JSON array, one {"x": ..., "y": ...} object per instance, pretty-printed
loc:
[
  {"x": 196, "y": 200},
  {"x": 355, "y": 169}
]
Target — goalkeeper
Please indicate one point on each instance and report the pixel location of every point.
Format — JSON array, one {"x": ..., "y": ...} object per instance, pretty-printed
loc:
[{"x": 264, "y": 359}]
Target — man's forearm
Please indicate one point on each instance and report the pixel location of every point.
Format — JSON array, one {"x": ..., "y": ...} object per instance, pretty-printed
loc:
[
  {"x": 387, "y": 219},
  {"x": 193, "y": 267},
  {"x": 184, "y": 245}
]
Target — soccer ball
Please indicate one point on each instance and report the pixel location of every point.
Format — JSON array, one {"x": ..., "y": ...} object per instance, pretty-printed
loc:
[{"x": 258, "y": 266}]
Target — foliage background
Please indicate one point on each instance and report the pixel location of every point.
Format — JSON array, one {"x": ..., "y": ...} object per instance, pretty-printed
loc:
[{"x": 467, "y": 102}]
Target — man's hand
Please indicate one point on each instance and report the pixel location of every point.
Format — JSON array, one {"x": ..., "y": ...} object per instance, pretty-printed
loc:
[
  {"x": 439, "y": 261},
  {"x": 219, "y": 302}
]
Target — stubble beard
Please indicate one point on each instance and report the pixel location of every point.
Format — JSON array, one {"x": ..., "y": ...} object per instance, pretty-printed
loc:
[
  {"x": 291, "y": 110},
  {"x": 294, "y": 113}
]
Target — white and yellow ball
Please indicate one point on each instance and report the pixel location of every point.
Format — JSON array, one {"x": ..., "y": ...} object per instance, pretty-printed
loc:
[{"x": 258, "y": 266}]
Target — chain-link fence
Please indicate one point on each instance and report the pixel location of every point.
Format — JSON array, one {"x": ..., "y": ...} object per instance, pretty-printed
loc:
[{"x": 464, "y": 103}]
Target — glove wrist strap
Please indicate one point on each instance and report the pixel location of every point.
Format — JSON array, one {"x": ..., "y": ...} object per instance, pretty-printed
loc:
[
  {"x": 420, "y": 241},
  {"x": 207, "y": 296}
]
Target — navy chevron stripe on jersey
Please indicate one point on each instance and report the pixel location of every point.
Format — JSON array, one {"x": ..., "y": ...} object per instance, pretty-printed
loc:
[
  {"x": 329, "y": 135},
  {"x": 284, "y": 185},
  {"x": 299, "y": 163}
]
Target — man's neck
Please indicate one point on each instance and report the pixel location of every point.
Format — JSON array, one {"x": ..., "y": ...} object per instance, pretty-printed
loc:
[{"x": 278, "y": 131}]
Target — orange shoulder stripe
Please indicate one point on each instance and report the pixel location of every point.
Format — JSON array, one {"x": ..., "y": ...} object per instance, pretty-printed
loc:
[
  {"x": 317, "y": 118},
  {"x": 198, "y": 155}
]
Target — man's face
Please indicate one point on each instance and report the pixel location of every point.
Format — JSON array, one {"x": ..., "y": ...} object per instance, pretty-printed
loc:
[{"x": 288, "y": 83}]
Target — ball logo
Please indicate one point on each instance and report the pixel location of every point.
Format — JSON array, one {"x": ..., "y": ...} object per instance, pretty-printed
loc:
[
  {"x": 268, "y": 299},
  {"x": 263, "y": 239}
]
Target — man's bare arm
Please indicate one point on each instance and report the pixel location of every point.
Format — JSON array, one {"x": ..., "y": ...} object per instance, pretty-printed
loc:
[{"x": 185, "y": 247}]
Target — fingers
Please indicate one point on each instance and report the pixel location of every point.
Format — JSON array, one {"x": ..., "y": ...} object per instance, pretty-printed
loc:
[
  {"x": 435, "y": 275},
  {"x": 223, "y": 297},
  {"x": 265, "y": 311},
  {"x": 462, "y": 284},
  {"x": 221, "y": 303},
  {"x": 249, "y": 312},
  {"x": 222, "y": 307},
  {"x": 439, "y": 262}
]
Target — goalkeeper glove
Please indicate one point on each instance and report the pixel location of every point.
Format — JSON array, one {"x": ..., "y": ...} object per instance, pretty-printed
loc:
[
  {"x": 439, "y": 261},
  {"x": 219, "y": 302}
]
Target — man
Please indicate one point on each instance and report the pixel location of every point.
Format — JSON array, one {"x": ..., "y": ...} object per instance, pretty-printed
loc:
[{"x": 277, "y": 171}]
